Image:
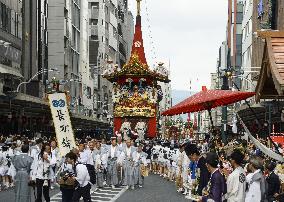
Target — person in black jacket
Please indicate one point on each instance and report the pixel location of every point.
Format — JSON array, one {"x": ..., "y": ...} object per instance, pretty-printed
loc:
[
  {"x": 272, "y": 180},
  {"x": 193, "y": 154}
]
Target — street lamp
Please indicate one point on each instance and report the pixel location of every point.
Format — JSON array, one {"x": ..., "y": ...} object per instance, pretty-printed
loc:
[{"x": 34, "y": 76}]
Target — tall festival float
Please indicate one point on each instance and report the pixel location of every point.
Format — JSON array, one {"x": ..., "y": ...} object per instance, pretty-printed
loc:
[{"x": 136, "y": 93}]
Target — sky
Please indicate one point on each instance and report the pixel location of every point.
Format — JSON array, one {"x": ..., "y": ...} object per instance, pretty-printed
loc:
[{"x": 185, "y": 34}]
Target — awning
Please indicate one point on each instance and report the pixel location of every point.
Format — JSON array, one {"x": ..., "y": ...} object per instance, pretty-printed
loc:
[
  {"x": 270, "y": 84},
  {"x": 29, "y": 98},
  {"x": 247, "y": 115},
  {"x": 8, "y": 70}
]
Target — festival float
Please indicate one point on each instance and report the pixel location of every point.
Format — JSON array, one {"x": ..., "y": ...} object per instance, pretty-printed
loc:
[{"x": 136, "y": 93}]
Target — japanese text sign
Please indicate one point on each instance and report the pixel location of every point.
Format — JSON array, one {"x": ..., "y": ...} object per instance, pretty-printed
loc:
[{"x": 62, "y": 123}]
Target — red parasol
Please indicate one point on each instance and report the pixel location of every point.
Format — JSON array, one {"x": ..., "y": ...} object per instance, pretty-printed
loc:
[{"x": 207, "y": 100}]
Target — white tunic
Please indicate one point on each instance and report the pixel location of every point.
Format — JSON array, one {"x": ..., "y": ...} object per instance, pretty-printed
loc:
[
  {"x": 42, "y": 169},
  {"x": 82, "y": 175},
  {"x": 83, "y": 157},
  {"x": 112, "y": 151},
  {"x": 236, "y": 186},
  {"x": 90, "y": 156},
  {"x": 128, "y": 152},
  {"x": 253, "y": 194}
]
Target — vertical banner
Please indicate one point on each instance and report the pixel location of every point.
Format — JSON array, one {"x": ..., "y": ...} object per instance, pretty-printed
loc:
[{"x": 62, "y": 123}]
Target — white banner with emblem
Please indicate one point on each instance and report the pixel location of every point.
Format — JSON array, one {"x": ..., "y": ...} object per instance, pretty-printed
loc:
[{"x": 62, "y": 122}]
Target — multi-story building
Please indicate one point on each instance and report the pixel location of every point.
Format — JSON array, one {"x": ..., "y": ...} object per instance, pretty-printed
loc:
[
  {"x": 10, "y": 45},
  {"x": 234, "y": 36},
  {"x": 23, "y": 54},
  {"x": 263, "y": 25},
  {"x": 166, "y": 101},
  {"x": 111, "y": 30},
  {"x": 68, "y": 51},
  {"x": 258, "y": 15},
  {"x": 217, "y": 79},
  {"x": 34, "y": 46}
]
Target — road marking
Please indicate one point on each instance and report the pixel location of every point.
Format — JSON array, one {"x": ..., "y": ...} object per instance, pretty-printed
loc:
[
  {"x": 100, "y": 195},
  {"x": 119, "y": 194}
]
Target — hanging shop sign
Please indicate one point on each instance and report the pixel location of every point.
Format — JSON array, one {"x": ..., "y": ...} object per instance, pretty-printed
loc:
[{"x": 62, "y": 123}]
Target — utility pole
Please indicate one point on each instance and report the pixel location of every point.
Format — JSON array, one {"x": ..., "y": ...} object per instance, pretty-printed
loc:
[{"x": 225, "y": 86}]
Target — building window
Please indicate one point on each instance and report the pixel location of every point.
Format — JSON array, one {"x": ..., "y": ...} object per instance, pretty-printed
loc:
[
  {"x": 73, "y": 37},
  {"x": 89, "y": 92},
  {"x": 75, "y": 62},
  {"x": 239, "y": 18},
  {"x": 93, "y": 21},
  {"x": 94, "y": 37},
  {"x": 9, "y": 20},
  {"x": 102, "y": 39},
  {"x": 13, "y": 23},
  {"x": 114, "y": 32},
  {"x": 94, "y": 5},
  {"x": 3, "y": 17},
  {"x": 76, "y": 16}
]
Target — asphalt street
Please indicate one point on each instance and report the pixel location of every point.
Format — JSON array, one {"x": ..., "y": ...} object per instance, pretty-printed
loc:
[
  {"x": 9, "y": 195},
  {"x": 156, "y": 189}
]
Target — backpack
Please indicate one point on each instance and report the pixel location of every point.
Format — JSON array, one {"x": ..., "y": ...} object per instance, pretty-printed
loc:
[{"x": 92, "y": 173}]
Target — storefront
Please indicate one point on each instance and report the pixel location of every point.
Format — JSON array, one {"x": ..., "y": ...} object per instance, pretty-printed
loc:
[{"x": 24, "y": 114}]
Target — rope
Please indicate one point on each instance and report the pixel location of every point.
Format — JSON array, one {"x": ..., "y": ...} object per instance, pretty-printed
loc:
[{"x": 153, "y": 48}]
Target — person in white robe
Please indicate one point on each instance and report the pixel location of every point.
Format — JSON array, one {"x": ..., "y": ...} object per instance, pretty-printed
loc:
[
  {"x": 141, "y": 129},
  {"x": 98, "y": 159},
  {"x": 185, "y": 170},
  {"x": 139, "y": 159},
  {"x": 127, "y": 153},
  {"x": 83, "y": 155},
  {"x": 34, "y": 153},
  {"x": 4, "y": 167},
  {"x": 43, "y": 174},
  {"x": 55, "y": 161},
  {"x": 114, "y": 161},
  {"x": 90, "y": 151},
  {"x": 22, "y": 164},
  {"x": 236, "y": 182},
  {"x": 255, "y": 181},
  {"x": 11, "y": 171}
]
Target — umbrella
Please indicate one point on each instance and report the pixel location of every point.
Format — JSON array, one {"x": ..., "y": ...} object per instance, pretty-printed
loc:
[{"x": 207, "y": 100}]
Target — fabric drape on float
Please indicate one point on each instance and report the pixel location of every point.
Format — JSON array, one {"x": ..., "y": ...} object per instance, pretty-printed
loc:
[{"x": 267, "y": 151}]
